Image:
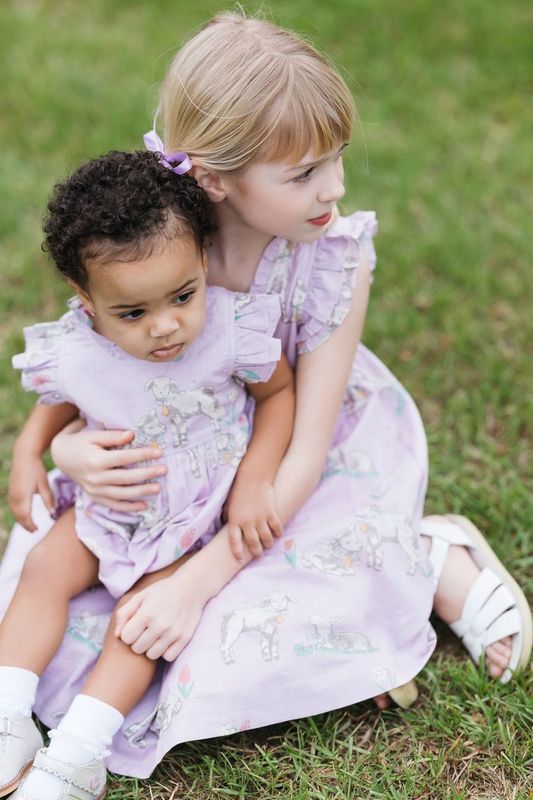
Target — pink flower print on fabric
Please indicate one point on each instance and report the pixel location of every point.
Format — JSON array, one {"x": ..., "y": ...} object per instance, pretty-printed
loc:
[
  {"x": 185, "y": 681},
  {"x": 186, "y": 540},
  {"x": 289, "y": 549}
]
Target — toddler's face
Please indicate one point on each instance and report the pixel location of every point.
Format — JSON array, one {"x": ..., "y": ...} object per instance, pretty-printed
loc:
[
  {"x": 294, "y": 201},
  {"x": 151, "y": 308}
]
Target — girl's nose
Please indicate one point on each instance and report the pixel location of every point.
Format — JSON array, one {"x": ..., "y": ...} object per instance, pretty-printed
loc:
[
  {"x": 333, "y": 188},
  {"x": 164, "y": 325}
]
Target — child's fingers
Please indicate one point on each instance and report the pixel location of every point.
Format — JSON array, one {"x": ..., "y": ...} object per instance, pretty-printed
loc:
[
  {"x": 133, "y": 455},
  {"x": 235, "y": 541},
  {"x": 173, "y": 651},
  {"x": 119, "y": 505},
  {"x": 253, "y": 541},
  {"x": 275, "y": 525},
  {"x": 170, "y": 642},
  {"x": 20, "y": 505},
  {"x": 43, "y": 487},
  {"x": 129, "y": 477},
  {"x": 265, "y": 535},
  {"x": 124, "y": 615},
  {"x": 135, "y": 492},
  {"x": 144, "y": 642}
]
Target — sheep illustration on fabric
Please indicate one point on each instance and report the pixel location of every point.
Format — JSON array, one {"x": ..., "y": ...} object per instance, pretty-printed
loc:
[
  {"x": 90, "y": 629},
  {"x": 377, "y": 527},
  {"x": 149, "y": 432},
  {"x": 156, "y": 722},
  {"x": 339, "y": 555},
  {"x": 351, "y": 463},
  {"x": 179, "y": 406},
  {"x": 325, "y": 639},
  {"x": 262, "y": 619},
  {"x": 231, "y": 447},
  {"x": 199, "y": 455}
]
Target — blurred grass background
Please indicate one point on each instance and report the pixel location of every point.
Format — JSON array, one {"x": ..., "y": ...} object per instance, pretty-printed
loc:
[{"x": 443, "y": 154}]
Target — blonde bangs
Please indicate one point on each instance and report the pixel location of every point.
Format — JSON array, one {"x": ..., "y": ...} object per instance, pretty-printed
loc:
[
  {"x": 243, "y": 90},
  {"x": 308, "y": 125}
]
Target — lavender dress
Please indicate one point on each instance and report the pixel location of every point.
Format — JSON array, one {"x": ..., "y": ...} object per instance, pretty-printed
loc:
[{"x": 338, "y": 610}]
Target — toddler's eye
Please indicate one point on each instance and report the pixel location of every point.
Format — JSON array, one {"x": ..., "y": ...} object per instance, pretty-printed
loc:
[
  {"x": 132, "y": 315},
  {"x": 304, "y": 176},
  {"x": 181, "y": 299}
]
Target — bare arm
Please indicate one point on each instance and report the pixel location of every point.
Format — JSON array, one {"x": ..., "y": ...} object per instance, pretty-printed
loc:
[
  {"x": 250, "y": 508},
  {"x": 28, "y": 475},
  {"x": 158, "y": 612}
]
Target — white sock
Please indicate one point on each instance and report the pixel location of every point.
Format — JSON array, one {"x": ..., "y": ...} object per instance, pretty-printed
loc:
[
  {"x": 84, "y": 734},
  {"x": 18, "y": 688}
]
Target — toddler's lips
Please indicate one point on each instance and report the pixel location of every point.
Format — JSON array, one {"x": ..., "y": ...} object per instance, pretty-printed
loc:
[
  {"x": 167, "y": 352},
  {"x": 323, "y": 220}
]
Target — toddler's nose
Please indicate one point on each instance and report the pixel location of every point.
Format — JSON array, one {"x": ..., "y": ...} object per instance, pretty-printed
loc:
[{"x": 164, "y": 325}]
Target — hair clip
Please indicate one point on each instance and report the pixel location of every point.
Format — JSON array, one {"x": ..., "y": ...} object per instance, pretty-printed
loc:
[{"x": 153, "y": 142}]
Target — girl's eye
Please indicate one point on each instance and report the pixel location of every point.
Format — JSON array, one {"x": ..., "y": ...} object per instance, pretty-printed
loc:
[
  {"x": 132, "y": 315},
  {"x": 181, "y": 299},
  {"x": 304, "y": 176}
]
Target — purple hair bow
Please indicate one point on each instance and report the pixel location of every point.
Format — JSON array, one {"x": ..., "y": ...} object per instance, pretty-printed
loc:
[{"x": 153, "y": 142}]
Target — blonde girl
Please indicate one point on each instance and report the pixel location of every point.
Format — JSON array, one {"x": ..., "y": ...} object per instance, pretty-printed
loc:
[{"x": 338, "y": 610}]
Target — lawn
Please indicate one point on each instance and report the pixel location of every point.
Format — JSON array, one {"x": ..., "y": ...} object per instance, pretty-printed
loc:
[{"x": 442, "y": 152}]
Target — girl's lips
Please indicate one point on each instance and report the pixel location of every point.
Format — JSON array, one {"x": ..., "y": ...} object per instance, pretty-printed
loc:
[
  {"x": 323, "y": 220},
  {"x": 167, "y": 352}
]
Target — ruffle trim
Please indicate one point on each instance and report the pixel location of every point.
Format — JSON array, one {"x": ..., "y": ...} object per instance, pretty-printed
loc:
[
  {"x": 40, "y": 360},
  {"x": 256, "y": 350},
  {"x": 333, "y": 277}
]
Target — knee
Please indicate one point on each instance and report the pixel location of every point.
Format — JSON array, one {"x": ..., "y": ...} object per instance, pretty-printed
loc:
[{"x": 42, "y": 568}]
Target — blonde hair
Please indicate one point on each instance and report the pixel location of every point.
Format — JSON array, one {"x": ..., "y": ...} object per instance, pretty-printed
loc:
[{"x": 244, "y": 90}]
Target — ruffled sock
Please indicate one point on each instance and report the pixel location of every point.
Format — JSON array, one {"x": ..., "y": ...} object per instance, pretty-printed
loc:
[
  {"x": 18, "y": 688},
  {"x": 83, "y": 735}
]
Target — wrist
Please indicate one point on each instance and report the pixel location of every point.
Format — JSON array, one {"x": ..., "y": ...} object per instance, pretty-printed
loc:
[
  {"x": 254, "y": 475},
  {"x": 28, "y": 446}
]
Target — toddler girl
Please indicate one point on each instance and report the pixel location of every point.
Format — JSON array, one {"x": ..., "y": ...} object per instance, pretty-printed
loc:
[
  {"x": 147, "y": 345},
  {"x": 338, "y": 611}
]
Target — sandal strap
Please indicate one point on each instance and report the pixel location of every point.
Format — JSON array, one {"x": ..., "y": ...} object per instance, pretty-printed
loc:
[
  {"x": 14, "y": 727},
  {"x": 480, "y": 591},
  {"x": 443, "y": 534},
  {"x": 489, "y": 614},
  {"x": 81, "y": 777}
]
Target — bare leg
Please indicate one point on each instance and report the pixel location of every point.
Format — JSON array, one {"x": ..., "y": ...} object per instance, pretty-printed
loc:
[
  {"x": 118, "y": 659},
  {"x": 56, "y": 570}
]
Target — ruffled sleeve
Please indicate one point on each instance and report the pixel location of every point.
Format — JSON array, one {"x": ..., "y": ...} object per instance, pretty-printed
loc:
[
  {"x": 39, "y": 362},
  {"x": 333, "y": 277},
  {"x": 256, "y": 350}
]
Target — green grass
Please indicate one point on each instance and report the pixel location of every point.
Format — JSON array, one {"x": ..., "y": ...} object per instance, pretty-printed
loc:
[{"x": 443, "y": 153}]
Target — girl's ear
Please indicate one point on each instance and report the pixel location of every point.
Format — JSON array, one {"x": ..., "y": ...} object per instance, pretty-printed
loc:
[
  {"x": 211, "y": 183},
  {"x": 84, "y": 297}
]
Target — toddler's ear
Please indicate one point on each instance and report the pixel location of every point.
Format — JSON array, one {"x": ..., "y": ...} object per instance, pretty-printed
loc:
[
  {"x": 84, "y": 297},
  {"x": 210, "y": 182}
]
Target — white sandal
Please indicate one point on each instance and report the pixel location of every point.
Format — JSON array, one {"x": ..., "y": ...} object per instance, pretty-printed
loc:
[
  {"x": 79, "y": 783},
  {"x": 19, "y": 741},
  {"x": 495, "y": 606}
]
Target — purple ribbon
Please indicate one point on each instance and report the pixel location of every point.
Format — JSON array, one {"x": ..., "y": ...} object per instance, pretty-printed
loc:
[{"x": 153, "y": 142}]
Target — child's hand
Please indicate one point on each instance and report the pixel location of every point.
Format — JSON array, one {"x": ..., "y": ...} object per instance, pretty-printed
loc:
[
  {"x": 28, "y": 477},
  {"x": 251, "y": 514},
  {"x": 161, "y": 619},
  {"x": 109, "y": 476}
]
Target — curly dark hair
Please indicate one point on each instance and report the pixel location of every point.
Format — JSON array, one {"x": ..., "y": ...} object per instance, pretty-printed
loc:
[{"x": 120, "y": 206}]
